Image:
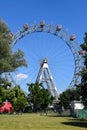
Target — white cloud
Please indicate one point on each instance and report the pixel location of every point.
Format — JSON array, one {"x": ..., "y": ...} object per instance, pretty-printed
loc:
[{"x": 21, "y": 76}]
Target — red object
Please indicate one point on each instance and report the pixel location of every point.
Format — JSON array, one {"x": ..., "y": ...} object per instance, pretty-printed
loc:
[
  {"x": 59, "y": 27},
  {"x": 72, "y": 37},
  {"x": 81, "y": 52},
  {"x": 42, "y": 23},
  {"x": 7, "y": 107},
  {"x": 11, "y": 35},
  {"x": 26, "y": 26}
]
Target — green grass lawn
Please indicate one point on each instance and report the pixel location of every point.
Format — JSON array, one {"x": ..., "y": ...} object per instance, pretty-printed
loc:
[{"x": 38, "y": 122}]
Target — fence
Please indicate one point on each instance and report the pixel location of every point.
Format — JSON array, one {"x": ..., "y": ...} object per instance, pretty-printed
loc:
[{"x": 82, "y": 114}]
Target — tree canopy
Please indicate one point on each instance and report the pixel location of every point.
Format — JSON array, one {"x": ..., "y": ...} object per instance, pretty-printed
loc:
[
  {"x": 67, "y": 96},
  {"x": 14, "y": 95},
  {"x": 83, "y": 85},
  {"x": 39, "y": 96},
  {"x": 9, "y": 61}
]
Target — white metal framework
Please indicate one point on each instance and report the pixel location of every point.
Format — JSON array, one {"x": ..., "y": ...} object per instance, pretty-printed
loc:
[
  {"x": 45, "y": 75},
  {"x": 59, "y": 32}
]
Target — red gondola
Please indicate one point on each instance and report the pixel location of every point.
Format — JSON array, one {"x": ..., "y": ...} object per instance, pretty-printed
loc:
[
  {"x": 42, "y": 23},
  {"x": 11, "y": 35},
  {"x": 81, "y": 52},
  {"x": 26, "y": 26},
  {"x": 59, "y": 27},
  {"x": 72, "y": 37}
]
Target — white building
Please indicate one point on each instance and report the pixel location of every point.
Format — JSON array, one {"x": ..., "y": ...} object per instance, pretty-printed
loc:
[{"x": 75, "y": 107}]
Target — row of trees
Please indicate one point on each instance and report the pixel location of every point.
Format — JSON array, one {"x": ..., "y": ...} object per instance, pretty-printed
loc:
[{"x": 38, "y": 98}]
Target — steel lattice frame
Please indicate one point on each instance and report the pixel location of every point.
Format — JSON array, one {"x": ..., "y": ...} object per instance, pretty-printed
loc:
[{"x": 62, "y": 34}]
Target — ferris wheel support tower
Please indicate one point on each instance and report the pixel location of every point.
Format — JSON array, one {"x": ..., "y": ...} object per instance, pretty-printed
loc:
[{"x": 44, "y": 76}]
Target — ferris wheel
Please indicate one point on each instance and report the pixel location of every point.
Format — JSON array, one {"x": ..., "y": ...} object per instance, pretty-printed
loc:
[{"x": 68, "y": 53}]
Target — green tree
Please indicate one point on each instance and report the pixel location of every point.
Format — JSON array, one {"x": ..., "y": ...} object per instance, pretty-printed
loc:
[
  {"x": 67, "y": 96},
  {"x": 83, "y": 85},
  {"x": 4, "y": 87},
  {"x": 9, "y": 61},
  {"x": 2, "y": 96},
  {"x": 39, "y": 96},
  {"x": 15, "y": 95},
  {"x": 18, "y": 98},
  {"x": 5, "y": 83}
]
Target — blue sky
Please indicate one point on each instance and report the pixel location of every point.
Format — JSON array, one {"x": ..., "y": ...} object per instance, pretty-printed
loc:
[{"x": 71, "y": 14}]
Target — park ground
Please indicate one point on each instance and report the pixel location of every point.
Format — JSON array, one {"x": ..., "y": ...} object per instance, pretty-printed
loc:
[{"x": 40, "y": 122}]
